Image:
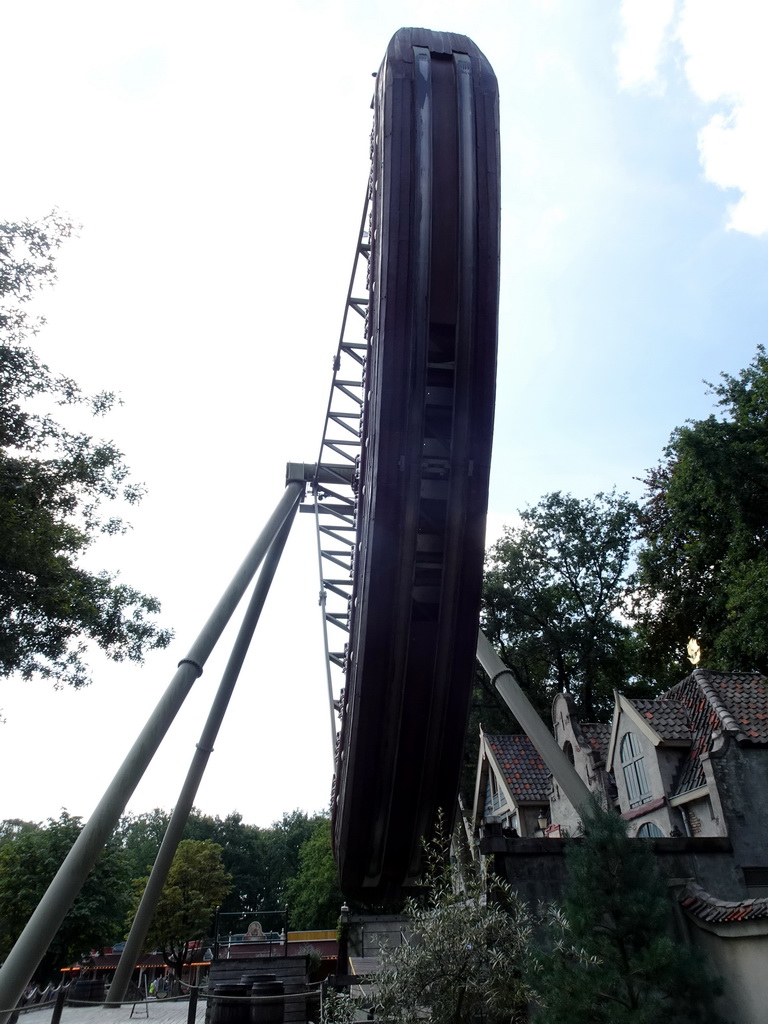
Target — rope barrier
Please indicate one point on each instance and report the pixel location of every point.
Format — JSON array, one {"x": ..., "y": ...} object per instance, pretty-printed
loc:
[{"x": 312, "y": 989}]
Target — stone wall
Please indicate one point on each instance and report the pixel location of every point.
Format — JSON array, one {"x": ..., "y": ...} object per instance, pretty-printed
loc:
[{"x": 536, "y": 868}]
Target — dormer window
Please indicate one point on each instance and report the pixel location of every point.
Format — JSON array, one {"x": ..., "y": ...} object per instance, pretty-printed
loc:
[{"x": 631, "y": 754}]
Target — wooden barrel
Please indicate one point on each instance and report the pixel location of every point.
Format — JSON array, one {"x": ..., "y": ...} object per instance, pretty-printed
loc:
[
  {"x": 226, "y": 1010},
  {"x": 264, "y": 1010}
]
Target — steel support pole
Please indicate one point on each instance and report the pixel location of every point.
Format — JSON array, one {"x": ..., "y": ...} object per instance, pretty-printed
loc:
[
  {"x": 553, "y": 757},
  {"x": 203, "y": 751},
  {"x": 30, "y": 947}
]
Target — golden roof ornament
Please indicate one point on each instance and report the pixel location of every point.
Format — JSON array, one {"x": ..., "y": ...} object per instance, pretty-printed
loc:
[{"x": 694, "y": 651}]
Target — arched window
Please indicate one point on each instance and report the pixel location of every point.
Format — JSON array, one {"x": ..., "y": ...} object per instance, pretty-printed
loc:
[
  {"x": 568, "y": 751},
  {"x": 649, "y": 829},
  {"x": 631, "y": 753}
]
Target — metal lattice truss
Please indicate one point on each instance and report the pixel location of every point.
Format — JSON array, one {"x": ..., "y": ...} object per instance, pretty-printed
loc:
[{"x": 335, "y": 483}]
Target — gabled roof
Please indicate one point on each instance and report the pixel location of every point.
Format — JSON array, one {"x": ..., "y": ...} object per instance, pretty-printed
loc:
[
  {"x": 661, "y": 721},
  {"x": 740, "y": 700},
  {"x": 734, "y": 703},
  {"x": 526, "y": 776},
  {"x": 668, "y": 717}
]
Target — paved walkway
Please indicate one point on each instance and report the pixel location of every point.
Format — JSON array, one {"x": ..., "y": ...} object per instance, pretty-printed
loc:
[{"x": 155, "y": 1011}]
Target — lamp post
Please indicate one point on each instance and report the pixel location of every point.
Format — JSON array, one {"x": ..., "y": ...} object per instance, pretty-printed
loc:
[{"x": 342, "y": 954}]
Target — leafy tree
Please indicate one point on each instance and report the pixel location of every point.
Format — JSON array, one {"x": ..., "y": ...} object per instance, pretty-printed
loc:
[
  {"x": 284, "y": 841},
  {"x": 704, "y": 525},
  {"x": 245, "y": 858},
  {"x": 53, "y": 483},
  {"x": 28, "y": 861},
  {"x": 610, "y": 958},
  {"x": 197, "y": 883},
  {"x": 554, "y": 590},
  {"x": 466, "y": 954},
  {"x": 314, "y": 896},
  {"x": 140, "y": 836},
  {"x": 261, "y": 861},
  {"x": 10, "y": 828}
]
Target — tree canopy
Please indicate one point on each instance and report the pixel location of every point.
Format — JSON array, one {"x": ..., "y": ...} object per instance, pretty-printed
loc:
[
  {"x": 313, "y": 895},
  {"x": 703, "y": 564},
  {"x": 197, "y": 883},
  {"x": 555, "y": 588},
  {"x": 54, "y": 483},
  {"x": 260, "y": 863},
  {"x": 260, "y": 860},
  {"x": 30, "y": 855}
]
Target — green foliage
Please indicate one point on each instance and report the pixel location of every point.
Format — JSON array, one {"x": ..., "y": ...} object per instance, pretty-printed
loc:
[
  {"x": 284, "y": 841},
  {"x": 261, "y": 861},
  {"x": 338, "y": 1008},
  {"x": 197, "y": 883},
  {"x": 53, "y": 483},
  {"x": 11, "y": 828},
  {"x": 140, "y": 836},
  {"x": 554, "y": 589},
  {"x": 245, "y": 858},
  {"x": 609, "y": 958},
  {"x": 30, "y": 855},
  {"x": 704, "y": 562},
  {"x": 466, "y": 953},
  {"x": 313, "y": 895}
]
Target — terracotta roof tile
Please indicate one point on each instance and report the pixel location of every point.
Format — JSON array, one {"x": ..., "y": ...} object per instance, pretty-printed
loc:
[
  {"x": 598, "y": 735},
  {"x": 732, "y": 702},
  {"x": 668, "y": 717},
  {"x": 701, "y": 904},
  {"x": 530, "y": 780}
]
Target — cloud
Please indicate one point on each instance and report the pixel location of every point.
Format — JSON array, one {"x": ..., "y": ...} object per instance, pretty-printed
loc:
[
  {"x": 722, "y": 45},
  {"x": 646, "y": 24},
  {"x": 725, "y": 64},
  {"x": 733, "y": 154}
]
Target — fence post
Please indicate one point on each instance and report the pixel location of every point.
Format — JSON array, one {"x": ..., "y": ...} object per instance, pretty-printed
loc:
[
  {"x": 58, "y": 1006},
  {"x": 192, "y": 1010}
]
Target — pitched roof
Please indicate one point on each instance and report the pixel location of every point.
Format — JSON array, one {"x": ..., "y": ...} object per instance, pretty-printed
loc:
[
  {"x": 525, "y": 774},
  {"x": 735, "y": 703},
  {"x": 668, "y": 717},
  {"x": 598, "y": 735},
  {"x": 708, "y": 908}
]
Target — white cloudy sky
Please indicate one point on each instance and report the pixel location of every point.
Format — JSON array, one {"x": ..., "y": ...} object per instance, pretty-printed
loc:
[{"x": 216, "y": 156}]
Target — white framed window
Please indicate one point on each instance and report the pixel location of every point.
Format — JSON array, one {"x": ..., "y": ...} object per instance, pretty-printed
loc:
[
  {"x": 650, "y": 830},
  {"x": 631, "y": 754},
  {"x": 496, "y": 797}
]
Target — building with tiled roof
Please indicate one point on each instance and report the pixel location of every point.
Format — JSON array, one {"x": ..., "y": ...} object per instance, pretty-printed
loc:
[
  {"x": 598, "y": 736},
  {"x": 522, "y": 769},
  {"x": 586, "y": 746},
  {"x": 512, "y": 784},
  {"x": 687, "y": 770},
  {"x": 695, "y": 761},
  {"x": 668, "y": 717}
]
